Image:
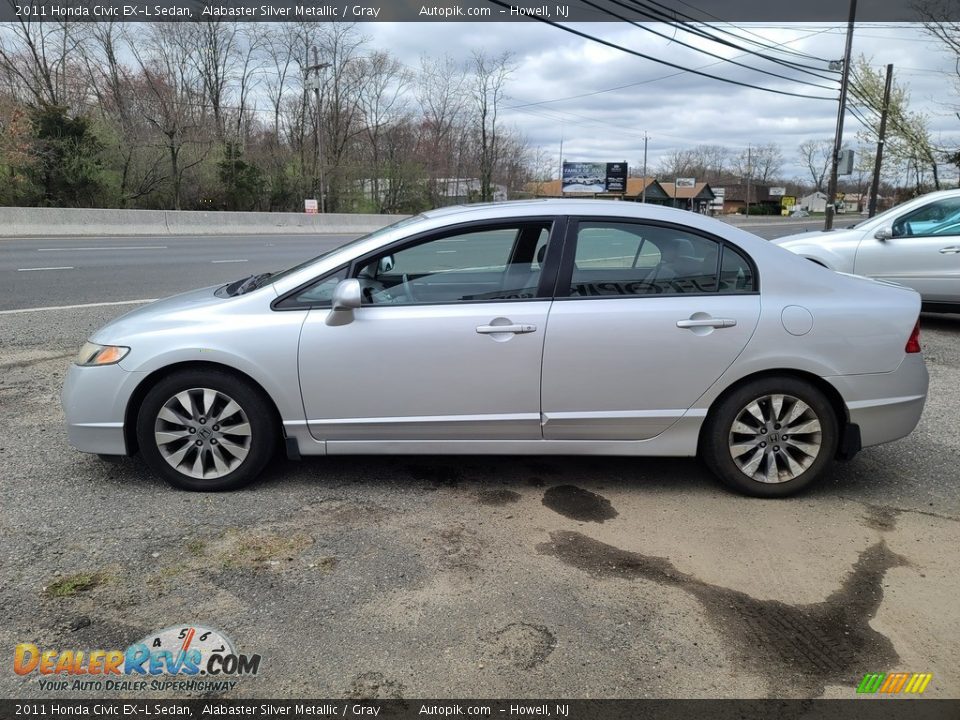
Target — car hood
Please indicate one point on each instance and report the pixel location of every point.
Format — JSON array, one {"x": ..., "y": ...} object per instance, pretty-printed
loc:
[
  {"x": 818, "y": 237},
  {"x": 174, "y": 310}
]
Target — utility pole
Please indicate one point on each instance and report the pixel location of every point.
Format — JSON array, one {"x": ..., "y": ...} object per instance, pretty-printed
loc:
[
  {"x": 875, "y": 186},
  {"x": 749, "y": 175},
  {"x": 561, "y": 159},
  {"x": 317, "y": 135},
  {"x": 841, "y": 111},
  {"x": 643, "y": 192}
]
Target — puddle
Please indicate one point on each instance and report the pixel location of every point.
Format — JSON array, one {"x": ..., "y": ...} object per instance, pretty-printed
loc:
[
  {"x": 803, "y": 647},
  {"x": 578, "y": 504}
]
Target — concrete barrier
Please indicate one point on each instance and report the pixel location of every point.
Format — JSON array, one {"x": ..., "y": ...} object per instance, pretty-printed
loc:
[{"x": 61, "y": 222}]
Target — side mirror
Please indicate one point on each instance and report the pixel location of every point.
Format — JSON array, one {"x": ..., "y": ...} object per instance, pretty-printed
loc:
[
  {"x": 385, "y": 265},
  {"x": 883, "y": 234},
  {"x": 347, "y": 295}
]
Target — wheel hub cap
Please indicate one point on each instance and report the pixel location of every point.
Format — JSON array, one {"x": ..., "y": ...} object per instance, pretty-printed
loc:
[
  {"x": 203, "y": 433},
  {"x": 782, "y": 455}
]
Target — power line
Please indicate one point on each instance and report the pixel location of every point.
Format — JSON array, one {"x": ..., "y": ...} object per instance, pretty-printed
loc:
[
  {"x": 644, "y": 82},
  {"x": 665, "y": 62},
  {"x": 701, "y": 50},
  {"x": 660, "y": 16}
]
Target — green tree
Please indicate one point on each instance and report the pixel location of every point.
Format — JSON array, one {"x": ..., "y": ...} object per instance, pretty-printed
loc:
[
  {"x": 242, "y": 182},
  {"x": 66, "y": 166}
]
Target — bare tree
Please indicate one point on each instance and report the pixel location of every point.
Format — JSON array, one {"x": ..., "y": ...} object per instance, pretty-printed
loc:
[
  {"x": 174, "y": 102},
  {"x": 382, "y": 101},
  {"x": 488, "y": 85},
  {"x": 762, "y": 163},
  {"x": 441, "y": 94},
  {"x": 815, "y": 156}
]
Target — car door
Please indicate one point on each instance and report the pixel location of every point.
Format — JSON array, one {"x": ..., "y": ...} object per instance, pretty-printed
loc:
[
  {"x": 923, "y": 252},
  {"x": 647, "y": 316},
  {"x": 446, "y": 345}
]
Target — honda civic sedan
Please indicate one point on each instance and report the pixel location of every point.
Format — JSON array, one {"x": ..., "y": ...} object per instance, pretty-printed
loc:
[{"x": 552, "y": 327}]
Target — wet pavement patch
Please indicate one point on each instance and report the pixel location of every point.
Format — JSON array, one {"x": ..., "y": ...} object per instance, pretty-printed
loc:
[
  {"x": 881, "y": 518},
  {"x": 578, "y": 504},
  {"x": 802, "y": 647},
  {"x": 497, "y": 497},
  {"x": 520, "y": 645}
]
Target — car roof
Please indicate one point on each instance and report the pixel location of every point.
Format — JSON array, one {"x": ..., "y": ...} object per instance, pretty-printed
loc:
[{"x": 563, "y": 206}]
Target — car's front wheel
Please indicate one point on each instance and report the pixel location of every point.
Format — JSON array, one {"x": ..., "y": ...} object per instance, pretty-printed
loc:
[
  {"x": 206, "y": 430},
  {"x": 772, "y": 437}
]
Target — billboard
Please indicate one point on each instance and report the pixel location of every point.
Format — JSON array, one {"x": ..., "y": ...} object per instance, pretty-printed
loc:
[
  {"x": 593, "y": 177},
  {"x": 686, "y": 182},
  {"x": 777, "y": 191}
]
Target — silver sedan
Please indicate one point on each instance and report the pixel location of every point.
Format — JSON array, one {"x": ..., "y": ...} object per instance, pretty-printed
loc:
[
  {"x": 545, "y": 327},
  {"x": 916, "y": 244}
]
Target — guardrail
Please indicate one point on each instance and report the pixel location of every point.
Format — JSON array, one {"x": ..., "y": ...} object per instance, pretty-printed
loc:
[{"x": 52, "y": 222}]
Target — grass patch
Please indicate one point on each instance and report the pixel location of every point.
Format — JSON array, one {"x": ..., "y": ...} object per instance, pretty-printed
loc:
[{"x": 72, "y": 584}]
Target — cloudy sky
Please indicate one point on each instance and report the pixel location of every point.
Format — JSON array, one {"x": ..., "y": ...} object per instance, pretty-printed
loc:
[{"x": 566, "y": 86}]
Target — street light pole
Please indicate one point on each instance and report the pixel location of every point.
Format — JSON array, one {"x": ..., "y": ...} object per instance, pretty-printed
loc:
[
  {"x": 841, "y": 111},
  {"x": 317, "y": 135}
]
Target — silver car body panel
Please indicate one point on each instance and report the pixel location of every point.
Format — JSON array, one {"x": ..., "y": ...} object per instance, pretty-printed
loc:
[
  {"x": 619, "y": 377},
  {"x": 928, "y": 264}
]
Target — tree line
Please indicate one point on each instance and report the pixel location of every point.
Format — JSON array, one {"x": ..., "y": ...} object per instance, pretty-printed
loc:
[{"x": 245, "y": 116}]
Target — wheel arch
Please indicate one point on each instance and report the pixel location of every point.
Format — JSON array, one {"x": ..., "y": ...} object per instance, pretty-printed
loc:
[
  {"x": 829, "y": 391},
  {"x": 140, "y": 393}
]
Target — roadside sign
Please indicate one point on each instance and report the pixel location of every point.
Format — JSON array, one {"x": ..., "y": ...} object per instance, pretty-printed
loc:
[
  {"x": 686, "y": 182},
  {"x": 310, "y": 206},
  {"x": 778, "y": 191}
]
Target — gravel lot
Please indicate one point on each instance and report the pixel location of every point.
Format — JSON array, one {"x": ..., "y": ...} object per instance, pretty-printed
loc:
[{"x": 485, "y": 577}]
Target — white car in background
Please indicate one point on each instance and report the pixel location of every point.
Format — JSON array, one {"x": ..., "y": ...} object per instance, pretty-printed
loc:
[{"x": 916, "y": 244}]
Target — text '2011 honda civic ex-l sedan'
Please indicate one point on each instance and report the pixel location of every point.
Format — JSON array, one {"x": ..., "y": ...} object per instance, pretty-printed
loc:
[{"x": 553, "y": 327}]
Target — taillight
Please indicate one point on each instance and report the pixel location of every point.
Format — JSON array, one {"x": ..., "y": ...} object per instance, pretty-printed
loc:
[{"x": 913, "y": 344}]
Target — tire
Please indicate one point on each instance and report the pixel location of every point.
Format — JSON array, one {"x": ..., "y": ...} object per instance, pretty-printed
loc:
[
  {"x": 206, "y": 430},
  {"x": 745, "y": 445}
]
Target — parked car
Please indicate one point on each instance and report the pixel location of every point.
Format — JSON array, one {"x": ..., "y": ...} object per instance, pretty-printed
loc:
[
  {"x": 916, "y": 244},
  {"x": 555, "y": 327}
]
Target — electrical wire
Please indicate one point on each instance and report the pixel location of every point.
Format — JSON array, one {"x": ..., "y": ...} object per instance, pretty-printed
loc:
[
  {"x": 644, "y": 82},
  {"x": 644, "y": 9},
  {"x": 701, "y": 50},
  {"x": 609, "y": 44}
]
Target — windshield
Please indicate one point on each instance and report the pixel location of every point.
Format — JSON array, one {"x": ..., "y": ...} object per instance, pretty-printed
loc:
[{"x": 289, "y": 271}]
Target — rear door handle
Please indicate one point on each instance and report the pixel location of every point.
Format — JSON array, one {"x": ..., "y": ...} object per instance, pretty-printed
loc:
[
  {"x": 951, "y": 250},
  {"x": 707, "y": 322},
  {"x": 516, "y": 329}
]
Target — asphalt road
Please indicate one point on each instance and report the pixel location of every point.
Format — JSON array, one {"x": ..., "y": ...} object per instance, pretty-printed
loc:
[{"x": 45, "y": 272}]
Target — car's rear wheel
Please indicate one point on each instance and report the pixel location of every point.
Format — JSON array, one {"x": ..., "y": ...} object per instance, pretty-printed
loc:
[
  {"x": 772, "y": 437},
  {"x": 206, "y": 430}
]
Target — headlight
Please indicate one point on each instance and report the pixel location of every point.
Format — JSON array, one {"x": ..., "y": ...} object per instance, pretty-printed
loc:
[{"x": 93, "y": 354}]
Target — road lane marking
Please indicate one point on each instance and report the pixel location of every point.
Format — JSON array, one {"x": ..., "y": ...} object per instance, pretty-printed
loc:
[
  {"x": 75, "y": 307},
  {"x": 215, "y": 262},
  {"x": 124, "y": 247},
  {"x": 62, "y": 267}
]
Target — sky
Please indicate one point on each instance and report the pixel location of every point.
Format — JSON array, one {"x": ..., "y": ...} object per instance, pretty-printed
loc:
[{"x": 556, "y": 91}]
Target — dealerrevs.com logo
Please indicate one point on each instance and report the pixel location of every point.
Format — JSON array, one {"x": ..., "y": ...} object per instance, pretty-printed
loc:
[{"x": 182, "y": 657}]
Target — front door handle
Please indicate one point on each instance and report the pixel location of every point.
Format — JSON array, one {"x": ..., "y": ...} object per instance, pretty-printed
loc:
[
  {"x": 515, "y": 329},
  {"x": 707, "y": 322},
  {"x": 951, "y": 250}
]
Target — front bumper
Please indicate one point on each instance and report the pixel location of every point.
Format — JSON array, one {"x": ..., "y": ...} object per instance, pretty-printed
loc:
[
  {"x": 885, "y": 406},
  {"x": 94, "y": 403}
]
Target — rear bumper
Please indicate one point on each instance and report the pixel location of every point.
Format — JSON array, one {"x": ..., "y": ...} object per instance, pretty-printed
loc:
[
  {"x": 94, "y": 403},
  {"x": 885, "y": 406}
]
